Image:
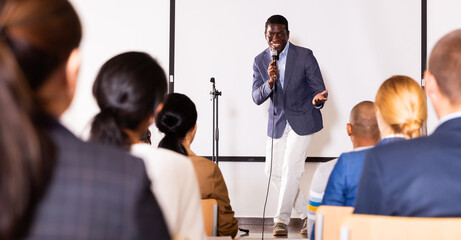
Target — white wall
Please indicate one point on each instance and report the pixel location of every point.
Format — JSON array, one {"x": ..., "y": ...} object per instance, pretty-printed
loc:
[
  {"x": 358, "y": 44},
  {"x": 111, "y": 27}
]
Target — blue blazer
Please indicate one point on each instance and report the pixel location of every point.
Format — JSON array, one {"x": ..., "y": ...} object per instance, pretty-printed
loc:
[
  {"x": 342, "y": 185},
  {"x": 293, "y": 102},
  {"x": 418, "y": 177},
  {"x": 341, "y": 189}
]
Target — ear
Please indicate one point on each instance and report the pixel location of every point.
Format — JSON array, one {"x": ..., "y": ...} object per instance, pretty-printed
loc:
[
  {"x": 151, "y": 119},
  {"x": 431, "y": 87},
  {"x": 192, "y": 133},
  {"x": 288, "y": 35},
  {"x": 72, "y": 69},
  {"x": 159, "y": 108},
  {"x": 349, "y": 129}
]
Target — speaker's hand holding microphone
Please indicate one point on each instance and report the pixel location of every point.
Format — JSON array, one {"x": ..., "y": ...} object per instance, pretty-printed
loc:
[{"x": 272, "y": 70}]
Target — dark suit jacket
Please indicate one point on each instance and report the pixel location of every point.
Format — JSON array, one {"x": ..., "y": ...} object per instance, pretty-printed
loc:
[
  {"x": 418, "y": 177},
  {"x": 96, "y": 193},
  {"x": 293, "y": 102}
]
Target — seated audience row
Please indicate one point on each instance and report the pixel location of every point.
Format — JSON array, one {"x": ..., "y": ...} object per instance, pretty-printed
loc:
[{"x": 394, "y": 177}]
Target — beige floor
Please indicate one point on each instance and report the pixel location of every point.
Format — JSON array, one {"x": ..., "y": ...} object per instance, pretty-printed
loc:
[{"x": 255, "y": 227}]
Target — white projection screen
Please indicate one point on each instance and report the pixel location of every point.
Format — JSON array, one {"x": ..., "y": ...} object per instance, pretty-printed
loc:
[{"x": 358, "y": 44}]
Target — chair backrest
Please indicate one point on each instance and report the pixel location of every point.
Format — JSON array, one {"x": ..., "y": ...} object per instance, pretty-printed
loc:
[
  {"x": 373, "y": 227},
  {"x": 328, "y": 220},
  {"x": 210, "y": 216}
]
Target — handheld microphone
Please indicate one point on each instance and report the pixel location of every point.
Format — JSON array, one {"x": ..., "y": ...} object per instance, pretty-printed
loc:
[{"x": 274, "y": 55}]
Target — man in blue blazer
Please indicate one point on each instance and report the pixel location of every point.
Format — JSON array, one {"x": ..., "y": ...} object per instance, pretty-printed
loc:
[
  {"x": 297, "y": 92},
  {"x": 364, "y": 132},
  {"x": 421, "y": 177}
]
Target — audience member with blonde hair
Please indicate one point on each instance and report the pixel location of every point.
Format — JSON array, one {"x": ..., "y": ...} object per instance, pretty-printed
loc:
[
  {"x": 401, "y": 108},
  {"x": 400, "y": 113},
  {"x": 420, "y": 177},
  {"x": 54, "y": 186}
]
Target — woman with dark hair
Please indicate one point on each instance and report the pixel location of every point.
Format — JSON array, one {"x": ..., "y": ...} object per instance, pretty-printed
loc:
[
  {"x": 129, "y": 90},
  {"x": 178, "y": 120},
  {"x": 52, "y": 185}
]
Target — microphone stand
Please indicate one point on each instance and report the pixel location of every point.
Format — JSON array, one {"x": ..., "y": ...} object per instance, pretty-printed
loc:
[{"x": 214, "y": 96}]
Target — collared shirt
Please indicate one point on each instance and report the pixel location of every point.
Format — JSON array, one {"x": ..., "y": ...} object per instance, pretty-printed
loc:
[
  {"x": 399, "y": 135},
  {"x": 362, "y": 148},
  {"x": 449, "y": 117},
  {"x": 282, "y": 62}
]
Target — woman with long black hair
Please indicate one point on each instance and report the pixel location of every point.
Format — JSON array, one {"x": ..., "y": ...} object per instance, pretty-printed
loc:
[
  {"x": 129, "y": 90},
  {"x": 178, "y": 121}
]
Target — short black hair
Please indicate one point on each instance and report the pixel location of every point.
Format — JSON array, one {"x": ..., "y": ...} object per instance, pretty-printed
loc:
[{"x": 277, "y": 19}]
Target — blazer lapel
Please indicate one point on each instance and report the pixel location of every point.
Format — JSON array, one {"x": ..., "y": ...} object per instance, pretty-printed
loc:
[
  {"x": 267, "y": 60},
  {"x": 290, "y": 64}
]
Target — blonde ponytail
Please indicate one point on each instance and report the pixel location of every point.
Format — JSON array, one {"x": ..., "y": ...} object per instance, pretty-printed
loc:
[{"x": 402, "y": 104}]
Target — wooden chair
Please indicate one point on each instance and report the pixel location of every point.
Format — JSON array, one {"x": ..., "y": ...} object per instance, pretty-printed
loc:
[
  {"x": 210, "y": 216},
  {"x": 328, "y": 220},
  {"x": 372, "y": 227}
]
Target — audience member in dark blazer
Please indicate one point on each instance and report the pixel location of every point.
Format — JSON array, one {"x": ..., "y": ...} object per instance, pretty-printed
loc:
[
  {"x": 413, "y": 177},
  {"x": 54, "y": 186}
]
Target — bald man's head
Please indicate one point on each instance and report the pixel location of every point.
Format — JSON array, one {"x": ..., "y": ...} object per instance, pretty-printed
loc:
[
  {"x": 363, "y": 124},
  {"x": 445, "y": 65}
]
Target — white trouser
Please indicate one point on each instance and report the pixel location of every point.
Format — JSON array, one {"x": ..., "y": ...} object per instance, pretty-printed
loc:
[{"x": 290, "y": 152}]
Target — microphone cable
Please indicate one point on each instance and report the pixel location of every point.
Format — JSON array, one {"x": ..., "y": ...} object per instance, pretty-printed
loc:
[{"x": 272, "y": 158}]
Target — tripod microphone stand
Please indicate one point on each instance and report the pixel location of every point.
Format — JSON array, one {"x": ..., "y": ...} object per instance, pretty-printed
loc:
[{"x": 214, "y": 96}]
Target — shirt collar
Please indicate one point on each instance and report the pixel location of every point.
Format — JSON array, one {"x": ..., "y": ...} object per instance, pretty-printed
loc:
[
  {"x": 361, "y": 148},
  {"x": 285, "y": 50},
  {"x": 394, "y": 136},
  {"x": 449, "y": 117}
]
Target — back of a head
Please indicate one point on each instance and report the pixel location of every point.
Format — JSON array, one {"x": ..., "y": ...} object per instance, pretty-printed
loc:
[
  {"x": 445, "y": 65},
  {"x": 402, "y": 104},
  {"x": 178, "y": 116},
  {"x": 363, "y": 121},
  {"x": 127, "y": 89},
  {"x": 36, "y": 38}
]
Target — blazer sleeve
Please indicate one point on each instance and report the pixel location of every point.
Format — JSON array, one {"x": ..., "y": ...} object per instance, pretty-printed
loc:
[
  {"x": 335, "y": 192},
  {"x": 261, "y": 87},
  {"x": 314, "y": 76},
  {"x": 370, "y": 195},
  {"x": 227, "y": 223}
]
